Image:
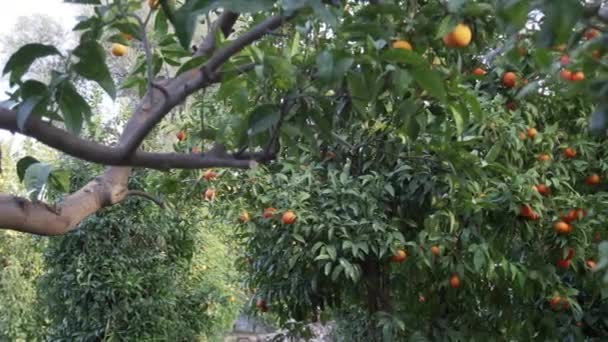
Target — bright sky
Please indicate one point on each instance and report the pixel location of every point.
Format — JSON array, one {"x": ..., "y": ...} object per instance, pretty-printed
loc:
[
  {"x": 65, "y": 13},
  {"x": 55, "y": 8}
]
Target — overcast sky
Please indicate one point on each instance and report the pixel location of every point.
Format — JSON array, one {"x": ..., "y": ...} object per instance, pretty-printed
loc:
[{"x": 65, "y": 13}]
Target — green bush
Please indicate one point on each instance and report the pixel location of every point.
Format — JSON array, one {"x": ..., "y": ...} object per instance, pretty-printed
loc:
[{"x": 133, "y": 272}]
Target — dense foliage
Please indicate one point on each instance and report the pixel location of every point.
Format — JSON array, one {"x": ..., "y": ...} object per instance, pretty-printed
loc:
[{"x": 440, "y": 175}]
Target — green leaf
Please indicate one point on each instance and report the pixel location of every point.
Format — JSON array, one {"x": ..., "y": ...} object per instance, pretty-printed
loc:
[
  {"x": 295, "y": 45},
  {"x": 430, "y": 81},
  {"x": 246, "y": 6},
  {"x": 92, "y": 66},
  {"x": 84, "y": 2},
  {"x": 160, "y": 23},
  {"x": 193, "y": 63},
  {"x": 560, "y": 17},
  {"x": 479, "y": 259},
  {"x": 23, "y": 164},
  {"x": 389, "y": 188},
  {"x": 514, "y": 13},
  {"x": 20, "y": 61},
  {"x": 262, "y": 118},
  {"x": 325, "y": 66},
  {"x": 459, "y": 119},
  {"x": 401, "y": 81},
  {"x": 454, "y": 6},
  {"x": 478, "y": 9},
  {"x": 73, "y": 106},
  {"x": 129, "y": 26},
  {"x": 60, "y": 180},
  {"x": 36, "y": 177},
  {"x": 186, "y": 17},
  {"x": 446, "y": 26},
  {"x": 331, "y": 251},
  {"x": 359, "y": 91},
  {"x": 324, "y": 13},
  {"x": 402, "y": 56}
]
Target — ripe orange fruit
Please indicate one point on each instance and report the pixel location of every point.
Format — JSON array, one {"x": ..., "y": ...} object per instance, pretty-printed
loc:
[
  {"x": 591, "y": 264},
  {"x": 581, "y": 213},
  {"x": 244, "y": 217},
  {"x": 593, "y": 179},
  {"x": 269, "y": 212},
  {"x": 153, "y": 4},
  {"x": 119, "y": 50},
  {"x": 455, "y": 281},
  {"x": 591, "y": 33},
  {"x": 532, "y": 132},
  {"x": 526, "y": 211},
  {"x": 479, "y": 72},
  {"x": 522, "y": 51},
  {"x": 574, "y": 215},
  {"x": 436, "y": 251},
  {"x": 555, "y": 302},
  {"x": 564, "y": 60},
  {"x": 511, "y": 105},
  {"x": 330, "y": 155},
  {"x": 509, "y": 79},
  {"x": 543, "y": 189},
  {"x": 461, "y": 36},
  {"x": 289, "y": 217},
  {"x": 562, "y": 228},
  {"x": 578, "y": 76},
  {"x": 449, "y": 41},
  {"x": 402, "y": 44},
  {"x": 210, "y": 194},
  {"x": 563, "y": 263},
  {"x": 127, "y": 36},
  {"x": 399, "y": 256},
  {"x": 181, "y": 135},
  {"x": 544, "y": 157},
  {"x": 569, "y": 152},
  {"x": 561, "y": 47},
  {"x": 261, "y": 304},
  {"x": 566, "y": 75},
  {"x": 597, "y": 237},
  {"x": 522, "y": 136},
  {"x": 210, "y": 175}
]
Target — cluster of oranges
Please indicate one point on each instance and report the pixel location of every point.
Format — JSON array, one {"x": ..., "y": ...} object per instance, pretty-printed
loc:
[
  {"x": 401, "y": 256},
  {"x": 288, "y": 217},
  {"x": 460, "y": 37},
  {"x": 564, "y": 226}
]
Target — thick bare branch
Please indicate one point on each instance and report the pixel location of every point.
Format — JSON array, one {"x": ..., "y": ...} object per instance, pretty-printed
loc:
[
  {"x": 178, "y": 89},
  {"x": 225, "y": 23},
  {"x": 111, "y": 187}
]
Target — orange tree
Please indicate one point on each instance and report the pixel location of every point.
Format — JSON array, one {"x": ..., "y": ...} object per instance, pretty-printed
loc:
[
  {"x": 448, "y": 193},
  {"x": 452, "y": 137}
]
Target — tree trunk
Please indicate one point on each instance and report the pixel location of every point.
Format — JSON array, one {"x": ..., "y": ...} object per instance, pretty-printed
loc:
[{"x": 375, "y": 276}]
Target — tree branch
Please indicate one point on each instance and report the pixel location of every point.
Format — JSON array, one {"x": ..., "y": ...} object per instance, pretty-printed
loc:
[
  {"x": 225, "y": 23},
  {"x": 111, "y": 187}
]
